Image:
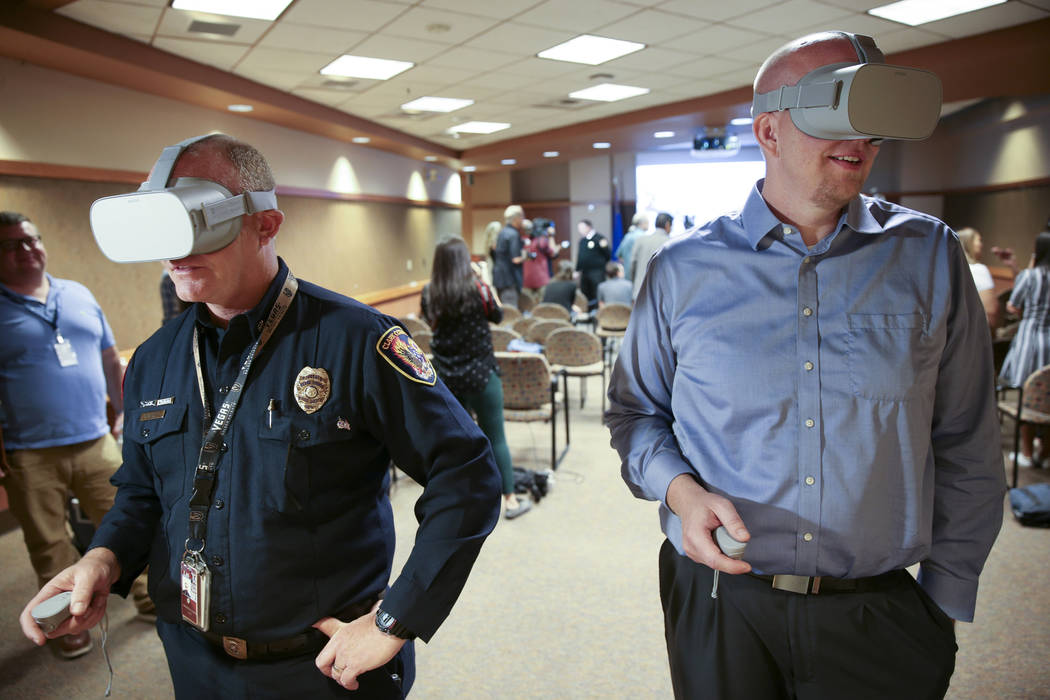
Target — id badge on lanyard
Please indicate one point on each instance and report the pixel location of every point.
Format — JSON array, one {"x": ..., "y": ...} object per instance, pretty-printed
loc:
[
  {"x": 67, "y": 356},
  {"x": 196, "y": 590}
]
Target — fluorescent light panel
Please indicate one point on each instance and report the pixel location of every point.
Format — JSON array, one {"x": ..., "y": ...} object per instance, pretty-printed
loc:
[
  {"x": 469, "y": 168},
  {"x": 436, "y": 104},
  {"x": 602, "y": 144},
  {"x": 663, "y": 134},
  {"x": 253, "y": 9},
  {"x": 365, "y": 67},
  {"x": 916, "y": 12},
  {"x": 551, "y": 154},
  {"x": 741, "y": 121},
  {"x": 609, "y": 92},
  {"x": 239, "y": 108},
  {"x": 360, "y": 139},
  {"x": 508, "y": 161},
  {"x": 590, "y": 49},
  {"x": 478, "y": 127}
]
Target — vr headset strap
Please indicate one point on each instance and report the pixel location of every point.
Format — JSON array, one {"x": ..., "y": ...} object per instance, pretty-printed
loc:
[
  {"x": 794, "y": 96},
  {"x": 158, "y": 177},
  {"x": 247, "y": 203}
]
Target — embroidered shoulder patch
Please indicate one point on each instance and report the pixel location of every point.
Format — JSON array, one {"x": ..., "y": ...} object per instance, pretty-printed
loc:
[{"x": 396, "y": 347}]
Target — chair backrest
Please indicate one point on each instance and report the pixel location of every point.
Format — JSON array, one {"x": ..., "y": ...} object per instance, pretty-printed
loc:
[
  {"x": 414, "y": 325},
  {"x": 580, "y": 301},
  {"x": 614, "y": 317},
  {"x": 510, "y": 315},
  {"x": 526, "y": 301},
  {"x": 544, "y": 327},
  {"x": 1037, "y": 391},
  {"x": 522, "y": 326},
  {"x": 501, "y": 337},
  {"x": 572, "y": 347},
  {"x": 423, "y": 339},
  {"x": 526, "y": 380},
  {"x": 548, "y": 310}
]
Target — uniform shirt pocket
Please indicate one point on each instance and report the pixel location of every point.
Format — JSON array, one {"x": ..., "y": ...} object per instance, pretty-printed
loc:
[
  {"x": 890, "y": 356},
  {"x": 159, "y": 432}
]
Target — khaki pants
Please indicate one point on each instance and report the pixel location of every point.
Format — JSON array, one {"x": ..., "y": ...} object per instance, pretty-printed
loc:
[{"x": 37, "y": 486}]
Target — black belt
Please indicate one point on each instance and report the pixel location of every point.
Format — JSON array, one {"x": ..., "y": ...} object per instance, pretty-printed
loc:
[
  {"x": 309, "y": 642},
  {"x": 809, "y": 585}
]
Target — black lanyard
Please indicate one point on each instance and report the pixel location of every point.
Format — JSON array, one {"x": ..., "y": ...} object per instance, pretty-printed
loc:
[{"x": 211, "y": 449}]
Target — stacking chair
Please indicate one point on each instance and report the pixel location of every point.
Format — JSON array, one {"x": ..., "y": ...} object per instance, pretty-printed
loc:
[
  {"x": 414, "y": 325},
  {"x": 612, "y": 325},
  {"x": 522, "y": 326},
  {"x": 576, "y": 353},
  {"x": 1032, "y": 407},
  {"x": 547, "y": 310},
  {"x": 583, "y": 315},
  {"x": 510, "y": 315},
  {"x": 542, "y": 328},
  {"x": 501, "y": 337},
  {"x": 526, "y": 301},
  {"x": 530, "y": 395}
]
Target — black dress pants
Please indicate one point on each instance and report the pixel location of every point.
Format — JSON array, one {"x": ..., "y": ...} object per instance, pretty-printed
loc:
[{"x": 758, "y": 643}]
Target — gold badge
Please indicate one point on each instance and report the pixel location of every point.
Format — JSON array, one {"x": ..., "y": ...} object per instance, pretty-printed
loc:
[{"x": 312, "y": 388}]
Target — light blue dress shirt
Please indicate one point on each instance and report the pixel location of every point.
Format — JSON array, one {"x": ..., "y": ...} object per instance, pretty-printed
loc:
[{"x": 840, "y": 396}]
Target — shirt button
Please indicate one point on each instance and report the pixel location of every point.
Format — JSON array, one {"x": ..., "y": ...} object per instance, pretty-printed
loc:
[
  {"x": 220, "y": 619},
  {"x": 810, "y": 481},
  {"x": 810, "y": 423},
  {"x": 805, "y": 259},
  {"x": 220, "y": 504},
  {"x": 216, "y": 561},
  {"x": 808, "y": 365},
  {"x": 224, "y": 389},
  {"x": 788, "y": 231},
  {"x": 808, "y": 537},
  {"x": 806, "y": 311},
  {"x": 304, "y": 435},
  {"x": 145, "y": 432}
]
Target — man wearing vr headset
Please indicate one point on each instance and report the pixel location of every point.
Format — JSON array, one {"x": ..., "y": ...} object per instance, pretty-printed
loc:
[
  {"x": 260, "y": 426},
  {"x": 803, "y": 373}
]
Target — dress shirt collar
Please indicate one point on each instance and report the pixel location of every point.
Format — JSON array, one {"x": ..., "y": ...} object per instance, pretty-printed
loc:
[{"x": 254, "y": 317}]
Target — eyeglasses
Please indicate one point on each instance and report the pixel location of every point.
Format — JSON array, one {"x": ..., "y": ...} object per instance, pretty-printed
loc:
[{"x": 11, "y": 244}]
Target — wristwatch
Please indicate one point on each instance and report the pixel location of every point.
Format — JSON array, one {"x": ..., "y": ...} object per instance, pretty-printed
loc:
[{"x": 388, "y": 624}]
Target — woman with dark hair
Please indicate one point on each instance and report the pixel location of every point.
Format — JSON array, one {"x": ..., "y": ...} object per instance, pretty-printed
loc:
[
  {"x": 562, "y": 289},
  {"x": 538, "y": 254},
  {"x": 1030, "y": 348},
  {"x": 458, "y": 306}
]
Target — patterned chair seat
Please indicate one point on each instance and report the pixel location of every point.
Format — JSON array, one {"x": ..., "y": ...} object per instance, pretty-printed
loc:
[
  {"x": 530, "y": 394},
  {"x": 1032, "y": 407},
  {"x": 501, "y": 337},
  {"x": 577, "y": 353}
]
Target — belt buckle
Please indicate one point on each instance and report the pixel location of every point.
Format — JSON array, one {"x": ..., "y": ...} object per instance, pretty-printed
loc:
[
  {"x": 803, "y": 585},
  {"x": 235, "y": 647}
]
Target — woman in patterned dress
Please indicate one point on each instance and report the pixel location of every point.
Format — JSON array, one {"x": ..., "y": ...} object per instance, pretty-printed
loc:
[
  {"x": 1030, "y": 348},
  {"x": 458, "y": 305}
]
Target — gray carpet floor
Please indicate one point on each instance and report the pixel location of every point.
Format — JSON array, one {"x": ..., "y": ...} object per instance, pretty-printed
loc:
[{"x": 562, "y": 603}]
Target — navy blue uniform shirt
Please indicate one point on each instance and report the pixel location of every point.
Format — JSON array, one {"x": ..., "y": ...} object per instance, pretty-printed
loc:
[{"x": 300, "y": 525}]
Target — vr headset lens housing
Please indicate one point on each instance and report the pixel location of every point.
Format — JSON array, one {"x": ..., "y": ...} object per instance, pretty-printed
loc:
[{"x": 845, "y": 101}]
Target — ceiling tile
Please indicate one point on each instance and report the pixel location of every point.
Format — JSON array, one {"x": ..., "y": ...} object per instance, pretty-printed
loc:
[
  {"x": 176, "y": 23},
  {"x": 858, "y": 24},
  {"x": 332, "y": 98},
  {"x": 285, "y": 60},
  {"x": 398, "y": 48},
  {"x": 786, "y": 18},
  {"x": 537, "y": 68},
  {"x": 575, "y": 15},
  {"x": 282, "y": 80},
  {"x": 114, "y": 17},
  {"x": 738, "y": 78},
  {"x": 857, "y": 5},
  {"x": 719, "y": 38},
  {"x": 646, "y": 59},
  {"x": 285, "y": 35},
  {"x": 438, "y": 75},
  {"x": 504, "y": 9},
  {"x": 705, "y": 67},
  {"x": 523, "y": 38},
  {"x": 757, "y": 52},
  {"x": 212, "y": 53},
  {"x": 907, "y": 38},
  {"x": 420, "y": 22},
  {"x": 651, "y": 27},
  {"x": 986, "y": 20},
  {"x": 498, "y": 81},
  {"x": 466, "y": 57},
  {"x": 715, "y": 11},
  {"x": 358, "y": 15}
]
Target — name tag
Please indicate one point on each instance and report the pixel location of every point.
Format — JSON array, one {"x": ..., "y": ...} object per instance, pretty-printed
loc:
[
  {"x": 152, "y": 415},
  {"x": 67, "y": 356}
]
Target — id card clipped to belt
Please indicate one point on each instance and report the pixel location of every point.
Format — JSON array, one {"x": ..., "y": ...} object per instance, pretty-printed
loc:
[{"x": 196, "y": 590}]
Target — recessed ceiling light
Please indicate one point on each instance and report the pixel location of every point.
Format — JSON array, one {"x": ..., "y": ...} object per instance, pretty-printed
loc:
[
  {"x": 916, "y": 12},
  {"x": 240, "y": 108},
  {"x": 602, "y": 144},
  {"x": 590, "y": 49},
  {"x": 360, "y": 139},
  {"x": 478, "y": 127},
  {"x": 365, "y": 67},
  {"x": 741, "y": 121},
  {"x": 469, "y": 168},
  {"x": 551, "y": 154},
  {"x": 436, "y": 104},
  {"x": 430, "y": 159},
  {"x": 609, "y": 92},
  {"x": 508, "y": 161},
  {"x": 663, "y": 134},
  {"x": 254, "y": 9}
]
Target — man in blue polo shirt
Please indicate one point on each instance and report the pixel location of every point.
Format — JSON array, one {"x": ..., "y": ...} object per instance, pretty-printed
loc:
[{"x": 58, "y": 361}]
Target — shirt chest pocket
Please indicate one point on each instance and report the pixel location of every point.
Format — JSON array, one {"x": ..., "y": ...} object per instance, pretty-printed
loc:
[
  {"x": 302, "y": 454},
  {"x": 890, "y": 357},
  {"x": 159, "y": 431}
]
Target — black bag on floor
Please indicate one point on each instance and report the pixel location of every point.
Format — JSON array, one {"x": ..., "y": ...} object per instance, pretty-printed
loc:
[
  {"x": 535, "y": 484},
  {"x": 1031, "y": 505}
]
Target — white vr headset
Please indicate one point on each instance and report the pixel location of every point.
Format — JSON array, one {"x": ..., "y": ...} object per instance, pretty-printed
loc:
[
  {"x": 865, "y": 100},
  {"x": 193, "y": 216}
]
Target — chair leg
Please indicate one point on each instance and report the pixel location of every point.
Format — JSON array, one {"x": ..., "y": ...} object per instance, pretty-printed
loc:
[
  {"x": 583, "y": 391},
  {"x": 603, "y": 397},
  {"x": 1017, "y": 431},
  {"x": 565, "y": 399}
]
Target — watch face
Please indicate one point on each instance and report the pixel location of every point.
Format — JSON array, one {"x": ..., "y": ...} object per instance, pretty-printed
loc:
[{"x": 385, "y": 620}]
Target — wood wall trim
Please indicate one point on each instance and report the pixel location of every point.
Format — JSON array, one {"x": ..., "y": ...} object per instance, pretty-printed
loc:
[
  {"x": 382, "y": 295},
  {"x": 351, "y": 197},
  {"x": 976, "y": 189},
  {"x": 556, "y": 203}
]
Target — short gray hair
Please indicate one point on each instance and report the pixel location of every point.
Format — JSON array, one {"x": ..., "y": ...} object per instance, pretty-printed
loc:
[{"x": 253, "y": 172}]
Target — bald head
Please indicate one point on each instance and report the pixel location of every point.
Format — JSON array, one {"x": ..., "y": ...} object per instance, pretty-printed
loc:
[{"x": 790, "y": 62}]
